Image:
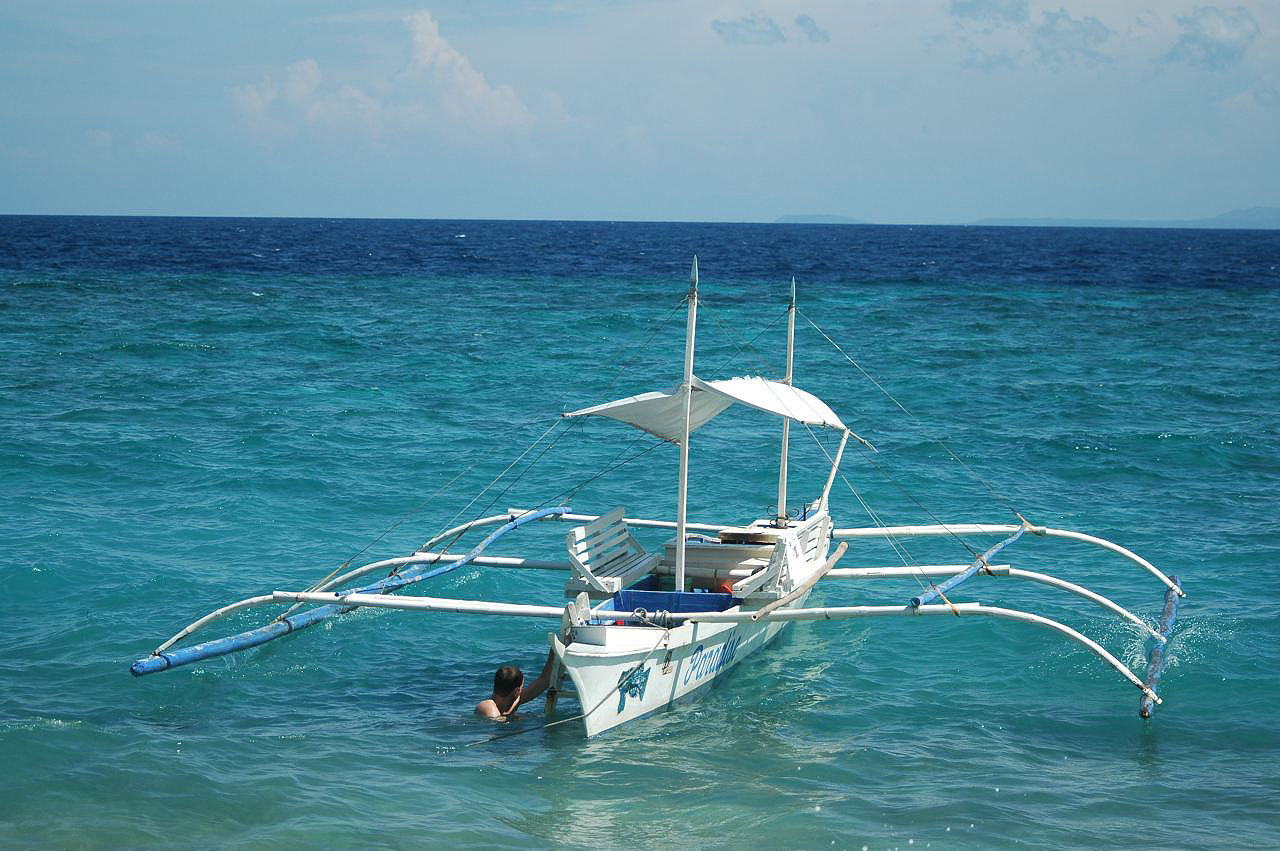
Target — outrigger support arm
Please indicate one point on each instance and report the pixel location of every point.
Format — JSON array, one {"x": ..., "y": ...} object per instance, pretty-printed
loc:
[
  {"x": 835, "y": 468},
  {"x": 1004, "y": 529},
  {"x": 424, "y": 557},
  {"x": 385, "y": 564},
  {"x": 419, "y": 604}
]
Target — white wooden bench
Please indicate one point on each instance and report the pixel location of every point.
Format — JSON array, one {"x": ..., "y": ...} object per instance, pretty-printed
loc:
[{"x": 606, "y": 557}]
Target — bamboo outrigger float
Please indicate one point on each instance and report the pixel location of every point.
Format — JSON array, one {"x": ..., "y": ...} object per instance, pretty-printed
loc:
[{"x": 641, "y": 630}]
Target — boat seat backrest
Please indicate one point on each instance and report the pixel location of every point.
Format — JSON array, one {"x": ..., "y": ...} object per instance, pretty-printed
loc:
[
  {"x": 605, "y": 555},
  {"x": 786, "y": 551}
]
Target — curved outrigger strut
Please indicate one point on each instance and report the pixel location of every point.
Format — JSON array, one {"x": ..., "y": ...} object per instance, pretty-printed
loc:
[{"x": 982, "y": 565}]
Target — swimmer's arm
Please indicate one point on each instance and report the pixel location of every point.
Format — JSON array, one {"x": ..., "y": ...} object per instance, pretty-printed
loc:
[
  {"x": 488, "y": 709},
  {"x": 538, "y": 686}
]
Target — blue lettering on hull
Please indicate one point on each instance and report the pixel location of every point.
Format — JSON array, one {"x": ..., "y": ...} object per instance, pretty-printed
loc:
[{"x": 706, "y": 663}]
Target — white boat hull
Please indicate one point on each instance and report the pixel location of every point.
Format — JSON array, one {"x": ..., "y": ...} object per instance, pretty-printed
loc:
[{"x": 674, "y": 663}]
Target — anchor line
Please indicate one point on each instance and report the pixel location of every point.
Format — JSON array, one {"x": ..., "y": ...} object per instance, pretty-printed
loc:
[
  {"x": 556, "y": 422},
  {"x": 609, "y": 468},
  {"x": 868, "y": 454},
  {"x": 747, "y": 348},
  {"x": 497, "y": 479},
  {"x": 898, "y": 547}
]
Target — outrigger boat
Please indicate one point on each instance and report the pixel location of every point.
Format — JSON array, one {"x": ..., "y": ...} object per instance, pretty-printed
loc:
[{"x": 641, "y": 629}]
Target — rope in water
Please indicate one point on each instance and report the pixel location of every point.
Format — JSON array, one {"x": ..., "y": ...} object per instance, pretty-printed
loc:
[
  {"x": 621, "y": 686},
  {"x": 402, "y": 520},
  {"x": 481, "y": 456}
]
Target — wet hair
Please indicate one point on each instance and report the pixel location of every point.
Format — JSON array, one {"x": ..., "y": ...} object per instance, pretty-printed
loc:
[{"x": 507, "y": 679}]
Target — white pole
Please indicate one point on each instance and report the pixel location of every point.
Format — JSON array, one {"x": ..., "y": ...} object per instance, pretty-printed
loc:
[
  {"x": 786, "y": 423},
  {"x": 424, "y": 604},
  {"x": 835, "y": 468},
  {"x": 1002, "y": 529},
  {"x": 681, "y": 495}
]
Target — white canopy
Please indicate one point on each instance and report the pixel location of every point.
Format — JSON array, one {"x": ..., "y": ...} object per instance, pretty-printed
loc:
[{"x": 662, "y": 414}]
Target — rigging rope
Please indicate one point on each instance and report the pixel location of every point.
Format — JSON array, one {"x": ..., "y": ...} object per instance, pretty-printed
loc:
[
  {"x": 999, "y": 496},
  {"x": 572, "y": 426},
  {"x": 398, "y": 523},
  {"x": 897, "y": 546},
  {"x": 498, "y": 478}
]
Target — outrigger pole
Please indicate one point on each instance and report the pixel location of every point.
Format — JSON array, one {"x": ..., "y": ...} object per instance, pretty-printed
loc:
[
  {"x": 436, "y": 604},
  {"x": 682, "y": 494},
  {"x": 1006, "y": 529}
]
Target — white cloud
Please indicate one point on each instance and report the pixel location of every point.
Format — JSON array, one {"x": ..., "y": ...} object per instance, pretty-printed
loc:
[
  {"x": 440, "y": 89},
  {"x": 1062, "y": 38},
  {"x": 811, "y": 30},
  {"x": 253, "y": 101},
  {"x": 752, "y": 29},
  {"x": 463, "y": 89},
  {"x": 763, "y": 30},
  {"x": 347, "y": 107},
  {"x": 992, "y": 12},
  {"x": 1213, "y": 37},
  {"x": 302, "y": 81},
  {"x": 1262, "y": 98}
]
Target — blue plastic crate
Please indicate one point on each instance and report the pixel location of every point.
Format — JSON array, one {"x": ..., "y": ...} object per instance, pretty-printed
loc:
[{"x": 631, "y": 599}]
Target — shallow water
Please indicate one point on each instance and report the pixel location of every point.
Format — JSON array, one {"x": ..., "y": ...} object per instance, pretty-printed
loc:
[{"x": 192, "y": 411}]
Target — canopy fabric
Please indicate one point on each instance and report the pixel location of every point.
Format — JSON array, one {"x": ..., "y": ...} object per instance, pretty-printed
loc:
[{"x": 662, "y": 414}]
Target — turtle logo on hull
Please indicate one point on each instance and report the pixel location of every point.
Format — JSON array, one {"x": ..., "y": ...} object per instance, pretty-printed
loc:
[{"x": 631, "y": 683}]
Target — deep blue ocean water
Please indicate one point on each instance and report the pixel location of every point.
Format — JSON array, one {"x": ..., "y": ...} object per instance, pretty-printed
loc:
[{"x": 196, "y": 410}]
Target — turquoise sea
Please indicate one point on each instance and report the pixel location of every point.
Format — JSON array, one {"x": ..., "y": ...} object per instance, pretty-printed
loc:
[{"x": 197, "y": 410}]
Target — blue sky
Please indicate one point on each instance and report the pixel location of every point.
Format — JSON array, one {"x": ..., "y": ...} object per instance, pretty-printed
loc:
[{"x": 919, "y": 111}]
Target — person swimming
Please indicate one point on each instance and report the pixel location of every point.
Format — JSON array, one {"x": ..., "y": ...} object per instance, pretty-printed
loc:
[{"x": 510, "y": 691}]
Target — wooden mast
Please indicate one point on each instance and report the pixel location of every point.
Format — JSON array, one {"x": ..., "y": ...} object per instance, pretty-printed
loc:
[
  {"x": 681, "y": 501},
  {"x": 781, "y": 516}
]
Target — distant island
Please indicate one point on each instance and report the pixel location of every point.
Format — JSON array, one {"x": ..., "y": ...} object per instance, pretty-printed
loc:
[
  {"x": 1261, "y": 218},
  {"x": 1252, "y": 218},
  {"x": 816, "y": 219}
]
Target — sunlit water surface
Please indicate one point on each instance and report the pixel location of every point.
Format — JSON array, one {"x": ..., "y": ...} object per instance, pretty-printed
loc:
[{"x": 194, "y": 411}]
